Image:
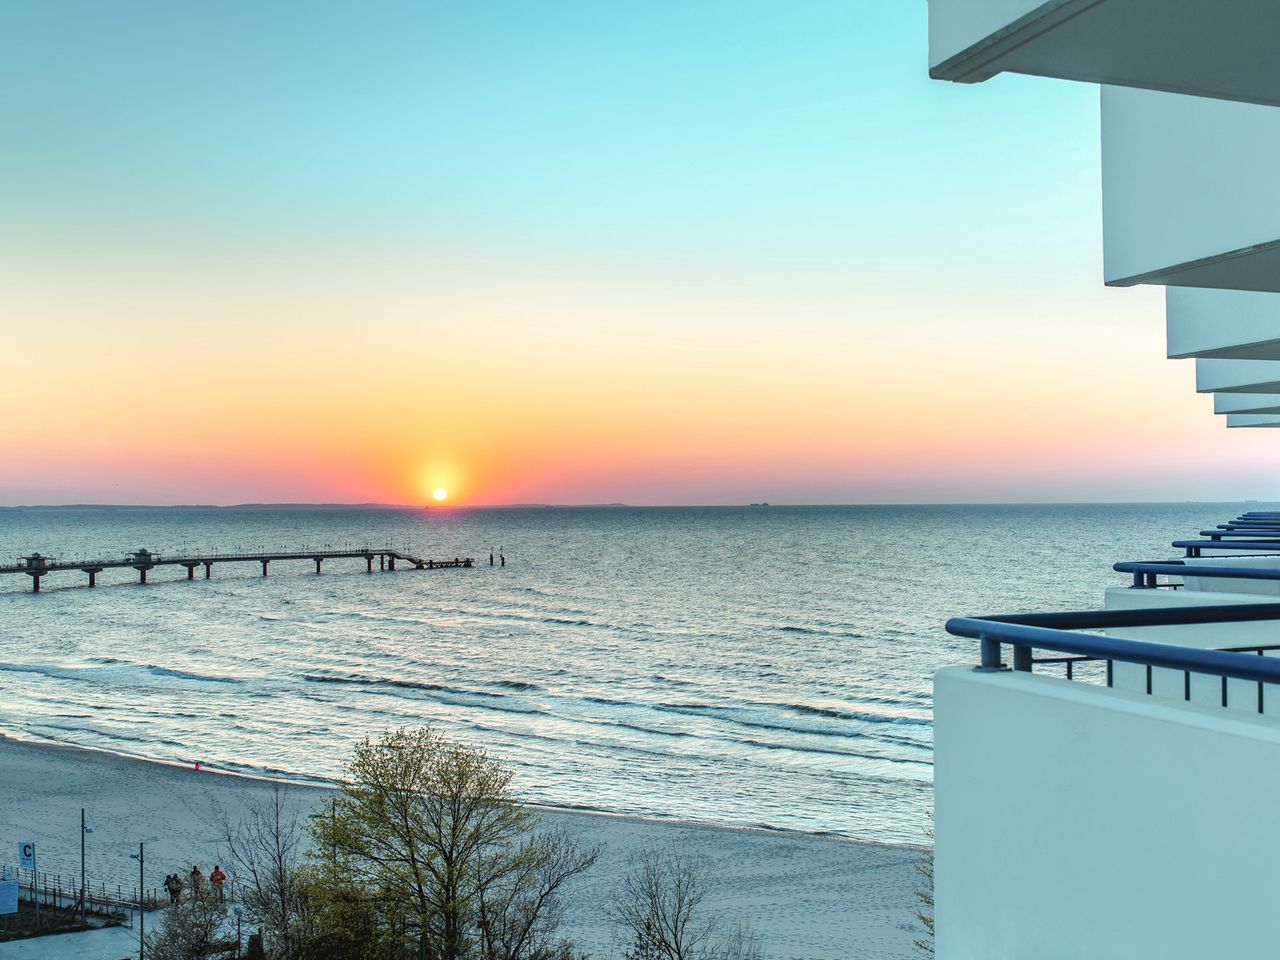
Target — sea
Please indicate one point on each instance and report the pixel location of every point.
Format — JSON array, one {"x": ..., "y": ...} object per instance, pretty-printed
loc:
[{"x": 755, "y": 666}]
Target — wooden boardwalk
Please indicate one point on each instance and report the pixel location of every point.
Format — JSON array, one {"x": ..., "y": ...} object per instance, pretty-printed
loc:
[{"x": 37, "y": 567}]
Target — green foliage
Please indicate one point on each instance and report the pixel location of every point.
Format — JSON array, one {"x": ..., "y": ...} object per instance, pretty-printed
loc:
[
  {"x": 426, "y": 853},
  {"x": 341, "y": 920}
]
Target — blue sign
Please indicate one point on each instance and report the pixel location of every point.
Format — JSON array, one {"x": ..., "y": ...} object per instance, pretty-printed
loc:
[
  {"x": 27, "y": 855},
  {"x": 8, "y": 896}
]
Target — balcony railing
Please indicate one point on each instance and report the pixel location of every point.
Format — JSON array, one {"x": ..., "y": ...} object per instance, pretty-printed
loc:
[
  {"x": 1061, "y": 634},
  {"x": 1146, "y": 572}
]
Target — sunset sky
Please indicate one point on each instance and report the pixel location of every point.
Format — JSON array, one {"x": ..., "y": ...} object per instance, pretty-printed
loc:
[{"x": 683, "y": 251}]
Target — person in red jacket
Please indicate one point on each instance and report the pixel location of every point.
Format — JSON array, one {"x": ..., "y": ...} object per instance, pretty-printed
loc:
[{"x": 217, "y": 878}]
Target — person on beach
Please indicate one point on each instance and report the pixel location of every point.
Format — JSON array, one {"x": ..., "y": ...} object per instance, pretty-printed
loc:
[
  {"x": 197, "y": 878},
  {"x": 217, "y": 878}
]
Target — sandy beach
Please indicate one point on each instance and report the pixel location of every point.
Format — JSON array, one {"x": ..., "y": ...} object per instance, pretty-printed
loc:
[{"x": 810, "y": 897}]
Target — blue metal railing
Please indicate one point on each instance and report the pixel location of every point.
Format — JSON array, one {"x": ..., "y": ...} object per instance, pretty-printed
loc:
[
  {"x": 1026, "y": 633},
  {"x": 1193, "y": 547},
  {"x": 1061, "y": 634},
  {"x": 1145, "y": 572},
  {"x": 1256, "y": 533}
]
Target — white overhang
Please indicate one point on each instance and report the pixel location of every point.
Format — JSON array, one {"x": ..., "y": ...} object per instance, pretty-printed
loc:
[
  {"x": 1229, "y": 324},
  {"x": 1238, "y": 376},
  {"x": 1190, "y": 194},
  {"x": 1246, "y": 403},
  {"x": 1221, "y": 48},
  {"x": 1251, "y": 420}
]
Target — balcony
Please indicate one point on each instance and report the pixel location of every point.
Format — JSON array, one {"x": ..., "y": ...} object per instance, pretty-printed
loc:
[
  {"x": 1188, "y": 191},
  {"x": 1238, "y": 376},
  {"x": 1105, "y": 797},
  {"x": 1251, "y": 403},
  {"x": 1222, "y": 324},
  {"x": 1252, "y": 420},
  {"x": 1224, "y": 49}
]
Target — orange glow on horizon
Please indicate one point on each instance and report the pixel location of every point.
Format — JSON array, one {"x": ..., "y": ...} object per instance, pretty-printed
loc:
[{"x": 533, "y": 400}]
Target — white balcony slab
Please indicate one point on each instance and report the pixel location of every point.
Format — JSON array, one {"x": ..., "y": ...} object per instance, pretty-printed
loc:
[
  {"x": 1189, "y": 191},
  {"x": 1212, "y": 48},
  {"x": 1252, "y": 420},
  {"x": 1077, "y": 821},
  {"x": 1228, "y": 324},
  {"x": 1237, "y": 376},
  {"x": 1246, "y": 403}
]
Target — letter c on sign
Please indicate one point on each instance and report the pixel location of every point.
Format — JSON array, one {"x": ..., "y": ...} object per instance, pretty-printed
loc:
[{"x": 27, "y": 851}]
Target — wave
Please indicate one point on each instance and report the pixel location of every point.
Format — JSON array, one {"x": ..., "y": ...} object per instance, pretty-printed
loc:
[
  {"x": 104, "y": 673},
  {"x": 442, "y": 693},
  {"x": 859, "y": 715},
  {"x": 516, "y": 685},
  {"x": 747, "y": 717}
]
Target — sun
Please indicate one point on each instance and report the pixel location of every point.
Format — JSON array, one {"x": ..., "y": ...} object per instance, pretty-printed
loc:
[{"x": 440, "y": 493}]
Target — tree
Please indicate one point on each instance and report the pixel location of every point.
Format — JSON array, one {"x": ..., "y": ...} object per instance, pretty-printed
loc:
[
  {"x": 660, "y": 910},
  {"x": 191, "y": 929},
  {"x": 342, "y": 920},
  {"x": 431, "y": 828},
  {"x": 924, "y": 894},
  {"x": 263, "y": 854}
]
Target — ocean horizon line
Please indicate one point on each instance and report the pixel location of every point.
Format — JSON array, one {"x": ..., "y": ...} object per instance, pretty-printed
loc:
[{"x": 374, "y": 505}]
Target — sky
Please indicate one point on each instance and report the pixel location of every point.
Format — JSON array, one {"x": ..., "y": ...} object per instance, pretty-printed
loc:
[{"x": 685, "y": 251}]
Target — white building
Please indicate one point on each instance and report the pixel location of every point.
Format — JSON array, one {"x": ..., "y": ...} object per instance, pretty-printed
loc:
[{"x": 1113, "y": 794}]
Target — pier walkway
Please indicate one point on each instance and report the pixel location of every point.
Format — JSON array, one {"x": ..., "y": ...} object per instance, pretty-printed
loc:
[{"x": 37, "y": 567}]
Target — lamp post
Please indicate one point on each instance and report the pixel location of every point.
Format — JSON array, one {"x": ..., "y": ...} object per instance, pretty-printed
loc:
[
  {"x": 142, "y": 917},
  {"x": 83, "y": 892}
]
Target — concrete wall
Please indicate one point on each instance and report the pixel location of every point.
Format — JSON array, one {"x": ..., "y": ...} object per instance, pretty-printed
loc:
[
  {"x": 1078, "y": 822},
  {"x": 1185, "y": 180}
]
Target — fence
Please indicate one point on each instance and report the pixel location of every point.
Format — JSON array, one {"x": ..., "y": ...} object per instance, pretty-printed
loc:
[{"x": 59, "y": 891}]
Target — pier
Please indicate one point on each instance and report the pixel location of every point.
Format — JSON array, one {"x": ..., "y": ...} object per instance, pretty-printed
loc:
[{"x": 37, "y": 567}]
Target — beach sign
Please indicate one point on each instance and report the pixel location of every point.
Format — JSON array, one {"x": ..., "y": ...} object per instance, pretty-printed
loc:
[
  {"x": 8, "y": 896},
  {"x": 27, "y": 855}
]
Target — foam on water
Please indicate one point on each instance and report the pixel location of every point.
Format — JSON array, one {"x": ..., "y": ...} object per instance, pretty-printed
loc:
[{"x": 730, "y": 665}]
